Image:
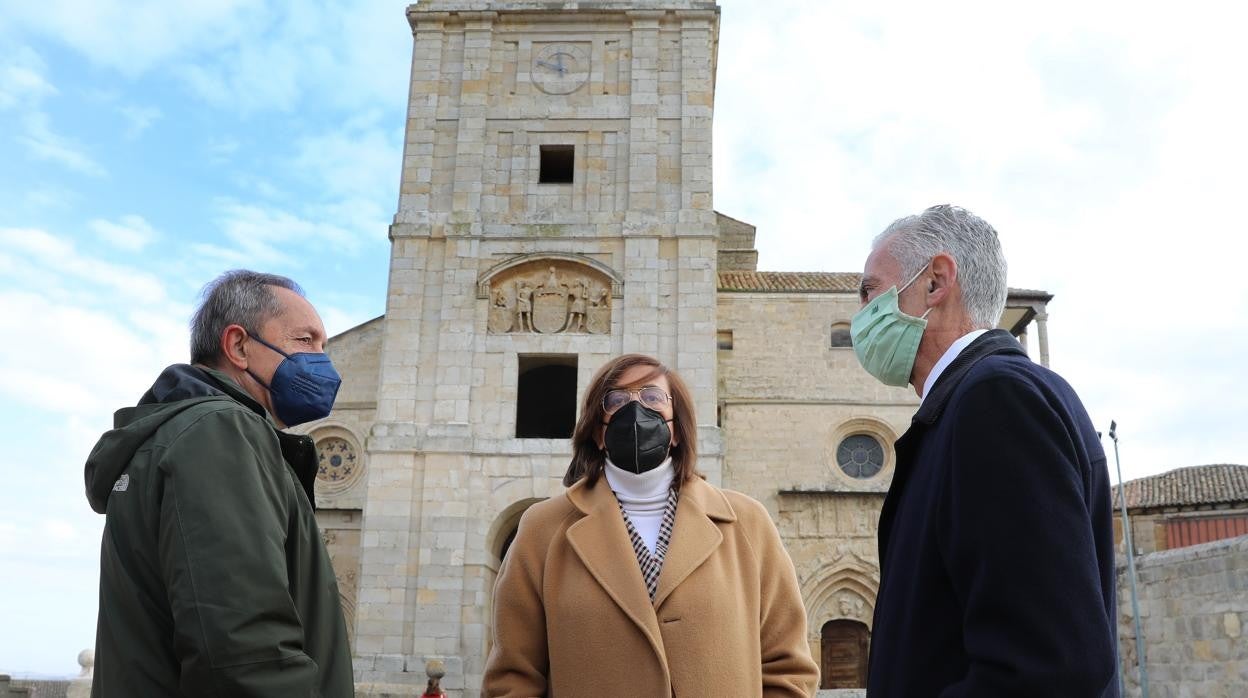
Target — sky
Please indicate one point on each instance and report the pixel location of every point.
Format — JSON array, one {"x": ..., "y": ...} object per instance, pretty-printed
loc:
[{"x": 146, "y": 146}]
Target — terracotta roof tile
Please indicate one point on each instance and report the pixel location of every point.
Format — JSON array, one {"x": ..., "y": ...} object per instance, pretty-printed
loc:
[
  {"x": 1194, "y": 485},
  {"x": 788, "y": 281},
  {"x": 816, "y": 282}
]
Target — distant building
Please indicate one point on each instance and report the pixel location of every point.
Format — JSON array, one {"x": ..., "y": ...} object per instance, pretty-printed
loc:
[{"x": 1185, "y": 506}]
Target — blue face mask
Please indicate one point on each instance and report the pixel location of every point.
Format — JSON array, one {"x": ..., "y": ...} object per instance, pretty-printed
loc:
[{"x": 303, "y": 388}]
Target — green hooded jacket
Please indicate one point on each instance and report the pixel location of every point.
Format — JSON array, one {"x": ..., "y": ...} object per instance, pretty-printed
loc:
[{"x": 214, "y": 580}]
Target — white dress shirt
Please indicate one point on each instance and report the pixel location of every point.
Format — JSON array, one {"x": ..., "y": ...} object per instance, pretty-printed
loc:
[{"x": 947, "y": 358}]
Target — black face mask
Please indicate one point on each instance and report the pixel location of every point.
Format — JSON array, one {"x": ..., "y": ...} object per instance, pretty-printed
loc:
[{"x": 637, "y": 438}]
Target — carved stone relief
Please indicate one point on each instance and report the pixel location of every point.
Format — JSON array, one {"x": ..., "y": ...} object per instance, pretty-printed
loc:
[
  {"x": 340, "y": 464},
  {"x": 851, "y": 606},
  {"x": 341, "y": 533},
  {"x": 830, "y": 517},
  {"x": 550, "y": 297}
]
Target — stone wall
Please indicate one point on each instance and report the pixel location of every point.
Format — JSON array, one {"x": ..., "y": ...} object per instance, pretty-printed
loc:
[
  {"x": 1148, "y": 527},
  {"x": 7, "y": 688},
  {"x": 788, "y": 399},
  {"x": 1193, "y": 612},
  {"x": 35, "y": 688}
]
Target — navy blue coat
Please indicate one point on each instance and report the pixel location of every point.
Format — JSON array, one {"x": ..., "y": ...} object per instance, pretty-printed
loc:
[{"x": 996, "y": 540}]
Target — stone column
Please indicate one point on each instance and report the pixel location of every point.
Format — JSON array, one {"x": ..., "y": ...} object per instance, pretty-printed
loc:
[
  {"x": 473, "y": 101},
  {"x": 697, "y": 105},
  {"x": 696, "y": 229},
  {"x": 415, "y": 188},
  {"x": 643, "y": 114},
  {"x": 1042, "y": 330},
  {"x": 80, "y": 687},
  {"x": 640, "y": 327}
]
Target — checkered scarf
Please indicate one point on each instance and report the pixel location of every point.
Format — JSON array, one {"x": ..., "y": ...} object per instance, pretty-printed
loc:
[{"x": 652, "y": 564}]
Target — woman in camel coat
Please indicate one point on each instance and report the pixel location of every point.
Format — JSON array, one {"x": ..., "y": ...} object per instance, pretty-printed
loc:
[{"x": 642, "y": 579}]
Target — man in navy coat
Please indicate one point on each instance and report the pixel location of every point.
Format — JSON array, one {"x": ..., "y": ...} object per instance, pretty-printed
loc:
[{"x": 996, "y": 540}]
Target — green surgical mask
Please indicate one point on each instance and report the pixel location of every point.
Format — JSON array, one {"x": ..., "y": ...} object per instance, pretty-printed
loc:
[{"x": 885, "y": 339}]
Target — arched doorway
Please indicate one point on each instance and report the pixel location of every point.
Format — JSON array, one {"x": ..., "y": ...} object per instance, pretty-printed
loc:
[{"x": 843, "y": 663}]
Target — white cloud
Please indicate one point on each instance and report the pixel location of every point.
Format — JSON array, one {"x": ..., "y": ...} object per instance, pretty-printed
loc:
[
  {"x": 239, "y": 55},
  {"x": 59, "y": 257},
  {"x": 261, "y": 186},
  {"x": 254, "y": 75},
  {"x": 221, "y": 150},
  {"x": 330, "y": 50},
  {"x": 134, "y": 36},
  {"x": 87, "y": 361},
  {"x": 338, "y": 320},
  {"x": 358, "y": 158},
  {"x": 22, "y": 80},
  {"x": 140, "y": 118},
  {"x": 269, "y": 237},
  {"x": 44, "y": 144},
  {"x": 1110, "y": 162},
  {"x": 131, "y": 233},
  {"x": 46, "y": 196},
  {"x": 356, "y": 165},
  {"x": 59, "y": 530},
  {"x": 36, "y": 242}
]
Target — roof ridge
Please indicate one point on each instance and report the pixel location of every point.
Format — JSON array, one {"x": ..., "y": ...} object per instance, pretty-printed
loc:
[{"x": 1188, "y": 485}]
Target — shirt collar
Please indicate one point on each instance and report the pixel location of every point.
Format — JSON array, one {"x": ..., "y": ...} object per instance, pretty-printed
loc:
[{"x": 947, "y": 358}]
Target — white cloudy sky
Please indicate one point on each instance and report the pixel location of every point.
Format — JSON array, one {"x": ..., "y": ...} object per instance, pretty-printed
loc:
[{"x": 147, "y": 145}]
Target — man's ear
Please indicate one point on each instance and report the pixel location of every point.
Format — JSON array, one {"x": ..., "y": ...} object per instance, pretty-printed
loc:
[
  {"x": 944, "y": 278},
  {"x": 234, "y": 346}
]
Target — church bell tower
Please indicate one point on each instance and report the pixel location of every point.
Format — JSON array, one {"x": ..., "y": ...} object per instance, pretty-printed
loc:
[{"x": 555, "y": 210}]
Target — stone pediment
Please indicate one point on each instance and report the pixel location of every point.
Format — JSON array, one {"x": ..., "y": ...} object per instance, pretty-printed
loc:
[{"x": 550, "y": 294}]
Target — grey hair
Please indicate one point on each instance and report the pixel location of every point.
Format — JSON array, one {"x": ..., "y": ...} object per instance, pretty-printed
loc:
[
  {"x": 972, "y": 243},
  {"x": 237, "y": 297}
]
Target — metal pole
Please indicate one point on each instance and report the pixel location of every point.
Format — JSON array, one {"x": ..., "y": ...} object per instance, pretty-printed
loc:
[
  {"x": 1126, "y": 537},
  {"x": 1122, "y": 686}
]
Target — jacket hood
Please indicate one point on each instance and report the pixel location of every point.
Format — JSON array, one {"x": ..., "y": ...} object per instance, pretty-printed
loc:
[{"x": 179, "y": 387}]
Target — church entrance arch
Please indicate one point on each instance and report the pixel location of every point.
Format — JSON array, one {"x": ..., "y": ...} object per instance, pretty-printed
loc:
[
  {"x": 503, "y": 531},
  {"x": 843, "y": 660}
]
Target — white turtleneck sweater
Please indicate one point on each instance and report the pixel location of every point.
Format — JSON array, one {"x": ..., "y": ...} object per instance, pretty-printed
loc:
[{"x": 644, "y": 497}]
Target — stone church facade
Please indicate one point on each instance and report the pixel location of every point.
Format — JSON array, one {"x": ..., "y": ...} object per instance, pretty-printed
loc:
[{"x": 555, "y": 211}]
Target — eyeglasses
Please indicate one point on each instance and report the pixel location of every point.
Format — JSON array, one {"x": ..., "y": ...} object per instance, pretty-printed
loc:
[{"x": 651, "y": 396}]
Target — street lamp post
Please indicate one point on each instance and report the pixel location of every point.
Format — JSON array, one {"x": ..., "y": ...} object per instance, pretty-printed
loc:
[{"x": 1130, "y": 550}]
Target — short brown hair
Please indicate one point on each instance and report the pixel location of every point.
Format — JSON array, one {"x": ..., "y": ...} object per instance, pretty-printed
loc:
[{"x": 588, "y": 460}]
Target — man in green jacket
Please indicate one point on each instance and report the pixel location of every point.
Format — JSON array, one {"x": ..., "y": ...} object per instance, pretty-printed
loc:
[{"x": 214, "y": 580}]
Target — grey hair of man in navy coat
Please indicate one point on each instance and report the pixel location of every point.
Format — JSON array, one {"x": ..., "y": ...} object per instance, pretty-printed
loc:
[{"x": 995, "y": 540}]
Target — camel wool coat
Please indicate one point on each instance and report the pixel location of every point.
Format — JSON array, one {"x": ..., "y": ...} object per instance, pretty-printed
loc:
[{"x": 572, "y": 616}]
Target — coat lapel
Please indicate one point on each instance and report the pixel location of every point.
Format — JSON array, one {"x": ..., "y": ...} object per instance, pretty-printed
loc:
[
  {"x": 695, "y": 534},
  {"x": 988, "y": 344},
  {"x": 601, "y": 541}
]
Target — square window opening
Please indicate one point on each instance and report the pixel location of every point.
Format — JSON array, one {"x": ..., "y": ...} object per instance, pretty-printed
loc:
[
  {"x": 557, "y": 164},
  {"x": 546, "y": 396}
]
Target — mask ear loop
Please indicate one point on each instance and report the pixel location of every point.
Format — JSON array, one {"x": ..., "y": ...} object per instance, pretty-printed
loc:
[
  {"x": 256, "y": 336},
  {"x": 912, "y": 280},
  {"x": 916, "y": 275}
]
